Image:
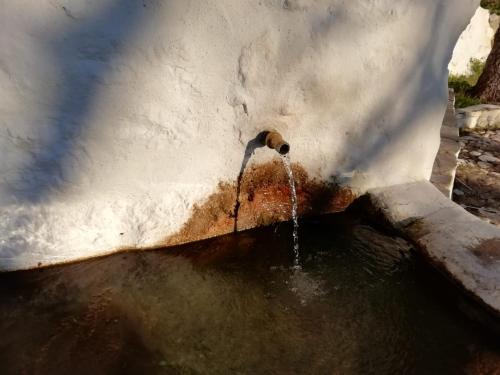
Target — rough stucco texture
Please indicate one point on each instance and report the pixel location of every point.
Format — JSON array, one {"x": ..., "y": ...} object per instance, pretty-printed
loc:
[
  {"x": 118, "y": 116},
  {"x": 474, "y": 43}
]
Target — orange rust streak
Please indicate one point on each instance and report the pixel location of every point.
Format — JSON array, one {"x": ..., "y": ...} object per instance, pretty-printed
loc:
[{"x": 264, "y": 199}]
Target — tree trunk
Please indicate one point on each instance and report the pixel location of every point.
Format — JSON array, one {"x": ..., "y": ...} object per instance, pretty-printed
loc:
[{"x": 487, "y": 87}]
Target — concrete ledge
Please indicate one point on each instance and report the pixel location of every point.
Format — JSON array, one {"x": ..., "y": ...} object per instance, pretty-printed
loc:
[
  {"x": 445, "y": 164},
  {"x": 483, "y": 116},
  {"x": 456, "y": 242}
]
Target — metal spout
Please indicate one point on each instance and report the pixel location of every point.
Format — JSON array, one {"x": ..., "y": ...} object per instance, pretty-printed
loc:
[{"x": 274, "y": 140}]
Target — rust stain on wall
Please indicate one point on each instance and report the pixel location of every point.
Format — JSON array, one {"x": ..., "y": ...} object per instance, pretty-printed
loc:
[{"x": 264, "y": 199}]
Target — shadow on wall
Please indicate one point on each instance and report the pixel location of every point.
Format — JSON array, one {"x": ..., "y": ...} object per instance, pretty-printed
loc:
[
  {"x": 251, "y": 146},
  {"x": 423, "y": 89},
  {"x": 86, "y": 51},
  {"x": 84, "y": 54}
]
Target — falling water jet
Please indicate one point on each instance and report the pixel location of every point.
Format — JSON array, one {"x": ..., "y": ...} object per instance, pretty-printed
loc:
[
  {"x": 274, "y": 140},
  {"x": 291, "y": 181}
]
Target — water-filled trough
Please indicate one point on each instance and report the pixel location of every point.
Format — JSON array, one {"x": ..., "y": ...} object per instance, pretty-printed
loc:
[{"x": 361, "y": 303}]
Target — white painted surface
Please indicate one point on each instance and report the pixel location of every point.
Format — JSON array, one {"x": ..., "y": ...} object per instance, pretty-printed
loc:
[
  {"x": 118, "y": 116},
  {"x": 474, "y": 43},
  {"x": 484, "y": 116}
]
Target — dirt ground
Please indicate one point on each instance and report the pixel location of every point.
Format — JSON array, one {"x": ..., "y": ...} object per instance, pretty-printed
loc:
[{"x": 477, "y": 182}]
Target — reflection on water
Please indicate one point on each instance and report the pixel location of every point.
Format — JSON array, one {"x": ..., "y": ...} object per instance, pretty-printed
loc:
[{"x": 360, "y": 305}]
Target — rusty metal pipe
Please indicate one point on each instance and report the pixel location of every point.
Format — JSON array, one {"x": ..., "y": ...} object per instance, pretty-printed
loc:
[{"x": 274, "y": 140}]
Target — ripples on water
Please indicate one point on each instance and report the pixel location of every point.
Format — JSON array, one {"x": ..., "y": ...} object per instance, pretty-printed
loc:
[{"x": 359, "y": 305}]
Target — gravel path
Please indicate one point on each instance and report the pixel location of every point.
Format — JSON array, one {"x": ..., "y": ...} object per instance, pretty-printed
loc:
[{"x": 477, "y": 182}]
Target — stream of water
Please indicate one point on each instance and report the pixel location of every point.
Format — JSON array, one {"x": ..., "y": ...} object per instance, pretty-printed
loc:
[{"x": 291, "y": 181}]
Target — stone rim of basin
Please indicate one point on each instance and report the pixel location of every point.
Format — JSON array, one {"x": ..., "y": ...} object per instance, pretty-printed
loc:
[{"x": 457, "y": 243}]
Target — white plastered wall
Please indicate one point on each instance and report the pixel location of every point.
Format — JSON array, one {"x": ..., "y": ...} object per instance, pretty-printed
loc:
[
  {"x": 117, "y": 116},
  {"x": 474, "y": 43}
]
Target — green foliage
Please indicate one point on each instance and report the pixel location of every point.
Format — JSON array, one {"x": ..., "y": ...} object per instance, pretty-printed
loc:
[
  {"x": 492, "y": 5},
  {"x": 461, "y": 83},
  {"x": 462, "y": 101}
]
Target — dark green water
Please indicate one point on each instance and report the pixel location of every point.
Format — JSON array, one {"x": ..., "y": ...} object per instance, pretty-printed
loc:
[{"x": 363, "y": 304}]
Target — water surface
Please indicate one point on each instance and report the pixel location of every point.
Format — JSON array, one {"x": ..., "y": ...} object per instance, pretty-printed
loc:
[{"x": 361, "y": 304}]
